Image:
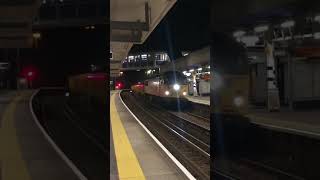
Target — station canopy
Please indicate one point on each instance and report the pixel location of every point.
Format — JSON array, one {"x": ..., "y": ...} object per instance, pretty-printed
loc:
[
  {"x": 132, "y": 21},
  {"x": 16, "y": 17}
]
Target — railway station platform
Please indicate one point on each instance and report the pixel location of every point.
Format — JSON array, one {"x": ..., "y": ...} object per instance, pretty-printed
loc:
[
  {"x": 204, "y": 100},
  {"x": 25, "y": 152},
  {"x": 306, "y": 122},
  {"x": 135, "y": 152}
]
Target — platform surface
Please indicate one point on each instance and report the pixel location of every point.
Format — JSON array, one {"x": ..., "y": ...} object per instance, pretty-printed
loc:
[
  {"x": 306, "y": 122},
  {"x": 205, "y": 100},
  {"x": 134, "y": 154},
  {"x": 25, "y": 154}
]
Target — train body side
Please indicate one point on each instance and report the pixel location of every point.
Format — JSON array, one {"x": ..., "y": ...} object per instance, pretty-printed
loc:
[
  {"x": 156, "y": 87},
  {"x": 91, "y": 85}
]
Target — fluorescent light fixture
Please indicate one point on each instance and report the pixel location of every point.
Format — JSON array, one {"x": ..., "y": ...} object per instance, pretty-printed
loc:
[
  {"x": 199, "y": 69},
  {"x": 191, "y": 70},
  {"x": 262, "y": 28},
  {"x": 316, "y": 35},
  {"x": 188, "y": 74},
  {"x": 238, "y": 34},
  {"x": 36, "y": 35},
  {"x": 287, "y": 24},
  {"x": 317, "y": 18},
  {"x": 250, "y": 40},
  {"x": 184, "y": 72},
  {"x": 185, "y": 54},
  {"x": 253, "y": 57}
]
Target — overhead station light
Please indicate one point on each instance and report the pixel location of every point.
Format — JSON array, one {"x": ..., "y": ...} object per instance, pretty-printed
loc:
[
  {"x": 250, "y": 40},
  {"x": 261, "y": 28},
  {"x": 238, "y": 34},
  {"x": 36, "y": 35},
  {"x": 287, "y": 24},
  {"x": 199, "y": 69},
  {"x": 317, "y": 18},
  {"x": 316, "y": 35}
]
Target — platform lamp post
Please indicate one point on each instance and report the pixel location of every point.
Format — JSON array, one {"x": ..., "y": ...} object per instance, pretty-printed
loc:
[
  {"x": 30, "y": 75},
  {"x": 36, "y": 36},
  {"x": 194, "y": 82}
]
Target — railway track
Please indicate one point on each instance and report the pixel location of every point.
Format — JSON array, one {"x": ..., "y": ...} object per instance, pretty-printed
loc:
[
  {"x": 193, "y": 118},
  {"x": 189, "y": 143}
]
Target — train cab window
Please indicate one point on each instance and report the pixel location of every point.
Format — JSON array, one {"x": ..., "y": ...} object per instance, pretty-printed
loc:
[{"x": 145, "y": 83}]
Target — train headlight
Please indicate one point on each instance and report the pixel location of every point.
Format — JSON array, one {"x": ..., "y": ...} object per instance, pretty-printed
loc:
[
  {"x": 184, "y": 93},
  {"x": 167, "y": 93},
  {"x": 238, "y": 101},
  {"x": 176, "y": 87}
]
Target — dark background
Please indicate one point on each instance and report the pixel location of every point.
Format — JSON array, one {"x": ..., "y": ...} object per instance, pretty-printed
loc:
[
  {"x": 185, "y": 27},
  {"x": 66, "y": 51}
]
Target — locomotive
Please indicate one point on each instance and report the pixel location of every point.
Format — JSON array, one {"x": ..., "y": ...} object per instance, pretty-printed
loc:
[{"x": 169, "y": 87}]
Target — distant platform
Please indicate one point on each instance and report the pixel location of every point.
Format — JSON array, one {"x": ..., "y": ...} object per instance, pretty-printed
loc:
[
  {"x": 205, "y": 100},
  {"x": 25, "y": 152},
  {"x": 306, "y": 123}
]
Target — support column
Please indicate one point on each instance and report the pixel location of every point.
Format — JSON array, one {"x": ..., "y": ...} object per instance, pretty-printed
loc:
[
  {"x": 290, "y": 80},
  {"x": 194, "y": 83},
  {"x": 273, "y": 101}
]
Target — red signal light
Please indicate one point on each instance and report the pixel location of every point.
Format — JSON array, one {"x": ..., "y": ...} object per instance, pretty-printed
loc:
[
  {"x": 29, "y": 72},
  {"x": 119, "y": 85}
]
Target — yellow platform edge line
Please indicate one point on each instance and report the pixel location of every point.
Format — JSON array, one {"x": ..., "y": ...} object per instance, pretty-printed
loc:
[
  {"x": 127, "y": 162},
  {"x": 13, "y": 165}
]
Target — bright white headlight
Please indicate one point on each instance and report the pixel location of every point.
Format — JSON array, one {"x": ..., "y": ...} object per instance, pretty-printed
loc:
[
  {"x": 176, "y": 87},
  {"x": 167, "y": 93},
  {"x": 184, "y": 93}
]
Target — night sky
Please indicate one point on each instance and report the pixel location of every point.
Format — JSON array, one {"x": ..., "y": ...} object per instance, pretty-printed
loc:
[
  {"x": 187, "y": 23},
  {"x": 66, "y": 51}
]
